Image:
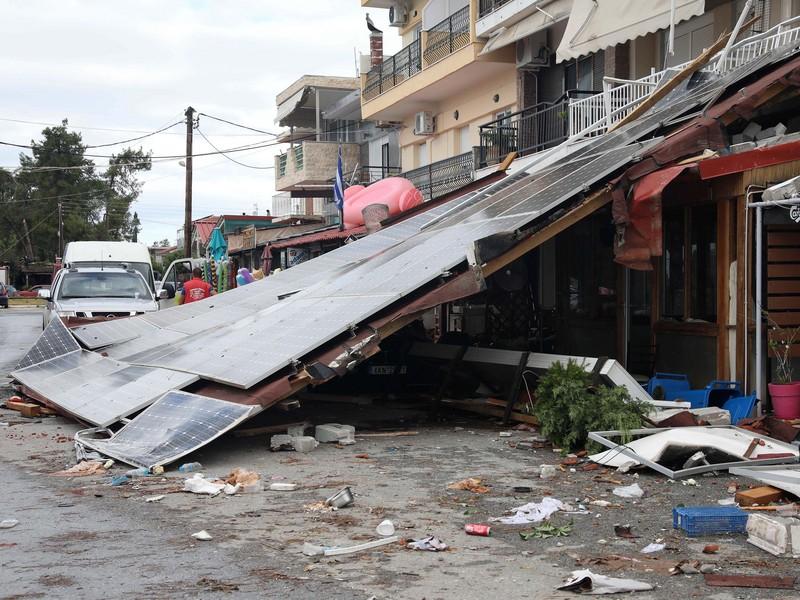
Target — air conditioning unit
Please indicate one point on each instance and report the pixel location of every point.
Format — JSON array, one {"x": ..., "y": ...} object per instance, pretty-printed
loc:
[
  {"x": 424, "y": 124},
  {"x": 532, "y": 53},
  {"x": 398, "y": 15}
]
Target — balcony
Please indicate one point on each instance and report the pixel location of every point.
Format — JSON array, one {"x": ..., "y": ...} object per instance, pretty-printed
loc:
[
  {"x": 443, "y": 176},
  {"x": 310, "y": 165},
  {"x": 448, "y": 36},
  {"x": 489, "y": 6},
  {"x": 393, "y": 71}
]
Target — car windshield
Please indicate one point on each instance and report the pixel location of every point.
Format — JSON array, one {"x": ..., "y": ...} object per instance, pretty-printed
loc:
[{"x": 103, "y": 285}]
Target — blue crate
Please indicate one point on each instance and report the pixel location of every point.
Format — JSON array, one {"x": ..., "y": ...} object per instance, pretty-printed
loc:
[{"x": 704, "y": 520}]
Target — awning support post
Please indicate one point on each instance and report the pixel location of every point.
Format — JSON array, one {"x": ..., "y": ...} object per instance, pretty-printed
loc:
[{"x": 757, "y": 310}]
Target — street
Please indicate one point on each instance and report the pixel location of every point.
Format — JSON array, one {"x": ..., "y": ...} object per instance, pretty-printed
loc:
[{"x": 19, "y": 328}]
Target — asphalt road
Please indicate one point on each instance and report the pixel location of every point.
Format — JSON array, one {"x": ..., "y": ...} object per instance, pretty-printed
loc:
[{"x": 19, "y": 328}]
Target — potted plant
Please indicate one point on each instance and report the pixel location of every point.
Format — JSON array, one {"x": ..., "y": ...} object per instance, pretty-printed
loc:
[{"x": 784, "y": 392}]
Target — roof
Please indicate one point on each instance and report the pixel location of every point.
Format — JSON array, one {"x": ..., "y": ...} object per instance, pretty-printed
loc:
[
  {"x": 320, "y": 81},
  {"x": 266, "y": 235},
  {"x": 331, "y": 233},
  {"x": 204, "y": 227}
]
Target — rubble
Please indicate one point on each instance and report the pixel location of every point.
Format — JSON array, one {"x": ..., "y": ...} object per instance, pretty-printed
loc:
[{"x": 586, "y": 582}]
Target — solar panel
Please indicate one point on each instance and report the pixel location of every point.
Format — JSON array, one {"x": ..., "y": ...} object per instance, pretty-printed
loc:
[
  {"x": 54, "y": 341},
  {"x": 173, "y": 426}
]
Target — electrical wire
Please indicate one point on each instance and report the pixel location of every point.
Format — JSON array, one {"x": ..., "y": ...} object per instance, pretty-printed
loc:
[
  {"x": 141, "y": 137},
  {"x": 237, "y": 124},
  {"x": 30, "y": 229},
  {"x": 87, "y": 128},
  {"x": 203, "y": 135}
]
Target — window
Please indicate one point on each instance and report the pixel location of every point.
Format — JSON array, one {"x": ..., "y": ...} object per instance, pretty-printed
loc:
[
  {"x": 689, "y": 265},
  {"x": 585, "y": 74}
]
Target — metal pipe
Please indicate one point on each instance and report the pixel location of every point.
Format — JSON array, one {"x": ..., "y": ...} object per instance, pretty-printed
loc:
[
  {"x": 734, "y": 35},
  {"x": 757, "y": 309}
]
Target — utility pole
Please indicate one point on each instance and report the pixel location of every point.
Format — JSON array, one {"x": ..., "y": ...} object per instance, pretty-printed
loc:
[
  {"x": 187, "y": 217},
  {"x": 61, "y": 231}
]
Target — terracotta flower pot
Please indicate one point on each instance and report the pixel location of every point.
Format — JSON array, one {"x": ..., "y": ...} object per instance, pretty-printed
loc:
[{"x": 785, "y": 399}]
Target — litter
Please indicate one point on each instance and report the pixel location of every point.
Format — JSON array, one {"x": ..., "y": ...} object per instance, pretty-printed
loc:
[
  {"x": 776, "y": 535},
  {"x": 360, "y": 547},
  {"x": 471, "y": 484},
  {"x": 313, "y": 549},
  {"x": 304, "y": 443},
  {"x": 281, "y": 441},
  {"x": 155, "y": 498},
  {"x": 282, "y": 487},
  {"x": 651, "y": 548},
  {"x": 336, "y": 433},
  {"x": 586, "y": 582},
  {"x": 477, "y": 529},
  {"x": 533, "y": 512},
  {"x": 199, "y": 485},
  {"x": 429, "y": 543},
  {"x": 547, "y": 472},
  {"x": 773, "y": 582},
  {"x": 341, "y": 499},
  {"x": 547, "y": 530},
  {"x": 243, "y": 478},
  {"x": 629, "y": 491},
  {"x": 710, "y": 549},
  {"x": 120, "y": 480},
  {"x": 385, "y": 528},
  {"x": 82, "y": 469},
  {"x": 8, "y": 523},
  {"x": 785, "y": 477},
  {"x": 190, "y": 467},
  {"x": 505, "y": 434},
  {"x": 624, "y": 531},
  {"x": 702, "y": 520},
  {"x": 203, "y": 536}
]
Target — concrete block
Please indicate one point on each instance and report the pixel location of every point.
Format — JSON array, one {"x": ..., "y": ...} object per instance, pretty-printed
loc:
[
  {"x": 769, "y": 533},
  {"x": 335, "y": 432},
  {"x": 743, "y": 147},
  {"x": 751, "y": 131},
  {"x": 304, "y": 443},
  {"x": 737, "y": 138},
  {"x": 764, "y": 134}
]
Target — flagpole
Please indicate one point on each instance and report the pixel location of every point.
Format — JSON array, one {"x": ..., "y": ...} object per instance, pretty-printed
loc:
[{"x": 338, "y": 189}]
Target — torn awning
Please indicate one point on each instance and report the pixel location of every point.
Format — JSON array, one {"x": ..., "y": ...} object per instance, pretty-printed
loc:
[
  {"x": 293, "y": 103},
  {"x": 638, "y": 219},
  {"x": 555, "y": 11},
  {"x": 597, "y": 24}
]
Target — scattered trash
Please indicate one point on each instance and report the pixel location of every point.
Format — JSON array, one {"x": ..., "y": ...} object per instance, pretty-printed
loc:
[
  {"x": 689, "y": 567},
  {"x": 651, "y": 548},
  {"x": 8, "y": 523},
  {"x": 547, "y": 472},
  {"x": 199, "y": 485},
  {"x": 624, "y": 531},
  {"x": 313, "y": 549},
  {"x": 429, "y": 543},
  {"x": 336, "y": 433},
  {"x": 477, "y": 529},
  {"x": 304, "y": 443},
  {"x": 243, "y": 478},
  {"x": 120, "y": 480},
  {"x": 727, "y": 502},
  {"x": 772, "y": 582},
  {"x": 601, "y": 503},
  {"x": 505, "y": 434},
  {"x": 203, "y": 536},
  {"x": 690, "y": 482},
  {"x": 86, "y": 467},
  {"x": 385, "y": 528},
  {"x": 759, "y": 496},
  {"x": 629, "y": 491},
  {"x": 281, "y": 441},
  {"x": 139, "y": 472},
  {"x": 157, "y": 470},
  {"x": 154, "y": 498},
  {"x": 547, "y": 530},
  {"x": 360, "y": 547},
  {"x": 710, "y": 549},
  {"x": 471, "y": 484},
  {"x": 533, "y": 512},
  {"x": 776, "y": 535},
  {"x": 707, "y": 568},
  {"x": 298, "y": 430},
  {"x": 190, "y": 467},
  {"x": 521, "y": 489},
  {"x": 591, "y": 583},
  {"x": 282, "y": 487},
  {"x": 701, "y": 520},
  {"x": 340, "y": 499}
]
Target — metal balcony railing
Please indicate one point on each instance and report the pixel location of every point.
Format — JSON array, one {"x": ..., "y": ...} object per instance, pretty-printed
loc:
[
  {"x": 393, "y": 71},
  {"x": 369, "y": 174},
  {"x": 488, "y": 6},
  {"x": 594, "y": 115},
  {"x": 443, "y": 176},
  {"x": 527, "y": 131},
  {"x": 282, "y": 164},
  {"x": 298, "y": 157},
  {"x": 448, "y": 36}
]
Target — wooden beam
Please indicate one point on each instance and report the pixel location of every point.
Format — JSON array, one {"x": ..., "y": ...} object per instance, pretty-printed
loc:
[{"x": 724, "y": 224}]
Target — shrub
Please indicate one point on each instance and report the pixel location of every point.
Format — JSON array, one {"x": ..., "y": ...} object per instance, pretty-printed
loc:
[{"x": 568, "y": 407}]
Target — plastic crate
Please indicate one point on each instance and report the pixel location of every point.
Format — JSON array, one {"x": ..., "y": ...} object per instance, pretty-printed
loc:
[{"x": 704, "y": 520}]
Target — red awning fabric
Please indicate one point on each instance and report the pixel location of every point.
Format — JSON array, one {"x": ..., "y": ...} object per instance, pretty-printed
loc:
[{"x": 638, "y": 219}]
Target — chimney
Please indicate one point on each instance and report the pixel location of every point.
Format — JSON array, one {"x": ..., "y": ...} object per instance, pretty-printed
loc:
[{"x": 375, "y": 48}]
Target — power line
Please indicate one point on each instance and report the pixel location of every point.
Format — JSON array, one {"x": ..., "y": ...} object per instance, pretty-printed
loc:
[
  {"x": 17, "y": 239},
  {"x": 117, "y": 130},
  {"x": 203, "y": 135},
  {"x": 141, "y": 137},
  {"x": 237, "y": 124}
]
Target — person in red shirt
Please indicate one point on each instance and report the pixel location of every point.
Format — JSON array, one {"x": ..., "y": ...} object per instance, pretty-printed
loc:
[{"x": 196, "y": 289}]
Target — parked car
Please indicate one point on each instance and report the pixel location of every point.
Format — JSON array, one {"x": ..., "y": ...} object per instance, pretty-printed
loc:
[
  {"x": 111, "y": 254},
  {"x": 95, "y": 294},
  {"x": 4, "y": 293}
]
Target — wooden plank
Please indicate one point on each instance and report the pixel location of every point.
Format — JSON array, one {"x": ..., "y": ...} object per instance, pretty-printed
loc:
[
  {"x": 742, "y": 286},
  {"x": 786, "y": 318},
  {"x": 760, "y": 495},
  {"x": 750, "y": 581},
  {"x": 724, "y": 226},
  {"x": 783, "y": 270},
  {"x": 783, "y": 302},
  {"x": 783, "y": 238},
  {"x": 783, "y": 286},
  {"x": 783, "y": 255}
]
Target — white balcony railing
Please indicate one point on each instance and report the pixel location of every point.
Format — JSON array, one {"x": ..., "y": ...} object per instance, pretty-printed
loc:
[{"x": 595, "y": 114}]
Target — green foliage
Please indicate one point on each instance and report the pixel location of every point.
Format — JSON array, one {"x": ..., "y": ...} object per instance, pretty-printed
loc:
[
  {"x": 547, "y": 530},
  {"x": 94, "y": 203},
  {"x": 569, "y": 407}
]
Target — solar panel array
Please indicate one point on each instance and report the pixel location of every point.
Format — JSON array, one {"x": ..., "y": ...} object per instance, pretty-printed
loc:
[
  {"x": 54, "y": 341},
  {"x": 173, "y": 426}
]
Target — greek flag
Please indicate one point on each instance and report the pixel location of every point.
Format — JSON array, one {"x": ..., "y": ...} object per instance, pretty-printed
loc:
[{"x": 338, "y": 186}]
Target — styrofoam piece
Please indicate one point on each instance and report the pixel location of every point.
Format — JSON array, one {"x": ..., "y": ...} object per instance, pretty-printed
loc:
[
  {"x": 304, "y": 443},
  {"x": 794, "y": 536},
  {"x": 297, "y": 430},
  {"x": 334, "y": 432},
  {"x": 770, "y": 533},
  {"x": 360, "y": 547},
  {"x": 280, "y": 486},
  {"x": 280, "y": 439}
]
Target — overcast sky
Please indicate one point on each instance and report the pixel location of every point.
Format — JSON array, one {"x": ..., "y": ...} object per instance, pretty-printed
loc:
[{"x": 137, "y": 65}]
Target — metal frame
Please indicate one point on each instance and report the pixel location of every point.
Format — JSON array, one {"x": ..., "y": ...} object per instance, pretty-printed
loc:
[
  {"x": 601, "y": 437},
  {"x": 774, "y": 479}
]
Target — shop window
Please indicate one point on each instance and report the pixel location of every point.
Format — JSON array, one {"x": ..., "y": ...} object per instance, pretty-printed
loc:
[{"x": 689, "y": 264}]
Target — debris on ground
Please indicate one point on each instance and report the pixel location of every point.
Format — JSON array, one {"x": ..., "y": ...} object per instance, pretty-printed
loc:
[
  {"x": 776, "y": 535},
  {"x": 8, "y": 523},
  {"x": 759, "y": 496},
  {"x": 477, "y": 529},
  {"x": 155, "y": 498},
  {"x": 533, "y": 512},
  {"x": 586, "y": 582},
  {"x": 280, "y": 486},
  {"x": 341, "y": 499},
  {"x": 361, "y": 547},
  {"x": 82, "y": 469},
  {"x": 652, "y": 548},
  {"x": 200, "y": 485},
  {"x": 629, "y": 491},
  {"x": 243, "y": 477},
  {"x": 202, "y": 535},
  {"x": 624, "y": 531},
  {"x": 385, "y": 528},
  {"x": 547, "y": 530},
  {"x": 471, "y": 484},
  {"x": 772, "y": 582},
  {"x": 710, "y": 549},
  {"x": 335, "y": 433},
  {"x": 429, "y": 543}
]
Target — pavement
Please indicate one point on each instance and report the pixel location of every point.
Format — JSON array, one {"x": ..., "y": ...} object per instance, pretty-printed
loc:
[
  {"x": 82, "y": 536},
  {"x": 19, "y": 328}
]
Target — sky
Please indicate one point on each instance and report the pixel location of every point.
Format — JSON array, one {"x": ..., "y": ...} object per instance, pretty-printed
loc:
[{"x": 115, "y": 69}]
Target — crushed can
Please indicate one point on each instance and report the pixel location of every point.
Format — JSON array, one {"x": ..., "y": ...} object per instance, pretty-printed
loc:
[{"x": 477, "y": 529}]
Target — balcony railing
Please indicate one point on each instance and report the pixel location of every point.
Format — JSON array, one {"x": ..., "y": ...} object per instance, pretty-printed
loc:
[
  {"x": 594, "y": 115},
  {"x": 282, "y": 165},
  {"x": 370, "y": 174},
  {"x": 489, "y": 6},
  {"x": 393, "y": 71},
  {"x": 443, "y": 176},
  {"x": 527, "y": 131},
  {"x": 298, "y": 157},
  {"x": 448, "y": 36}
]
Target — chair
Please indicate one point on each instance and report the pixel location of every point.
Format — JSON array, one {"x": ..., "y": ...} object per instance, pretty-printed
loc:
[{"x": 740, "y": 407}]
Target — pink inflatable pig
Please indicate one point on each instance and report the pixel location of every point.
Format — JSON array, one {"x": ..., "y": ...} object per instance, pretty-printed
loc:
[{"x": 395, "y": 192}]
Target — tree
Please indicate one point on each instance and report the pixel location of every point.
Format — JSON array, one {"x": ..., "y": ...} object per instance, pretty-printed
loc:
[{"x": 94, "y": 205}]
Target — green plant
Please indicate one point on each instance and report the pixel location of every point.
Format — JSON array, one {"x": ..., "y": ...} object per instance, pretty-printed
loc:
[
  {"x": 568, "y": 407},
  {"x": 547, "y": 530},
  {"x": 781, "y": 341}
]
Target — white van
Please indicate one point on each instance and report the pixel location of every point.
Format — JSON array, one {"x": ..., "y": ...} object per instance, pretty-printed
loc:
[{"x": 125, "y": 255}]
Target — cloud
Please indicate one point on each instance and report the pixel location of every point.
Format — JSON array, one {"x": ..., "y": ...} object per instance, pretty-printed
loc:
[{"x": 138, "y": 65}]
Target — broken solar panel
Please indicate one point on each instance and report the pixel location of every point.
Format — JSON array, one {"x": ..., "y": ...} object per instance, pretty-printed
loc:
[
  {"x": 173, "y": 426},
  {"x": 54, "y": 341}
]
